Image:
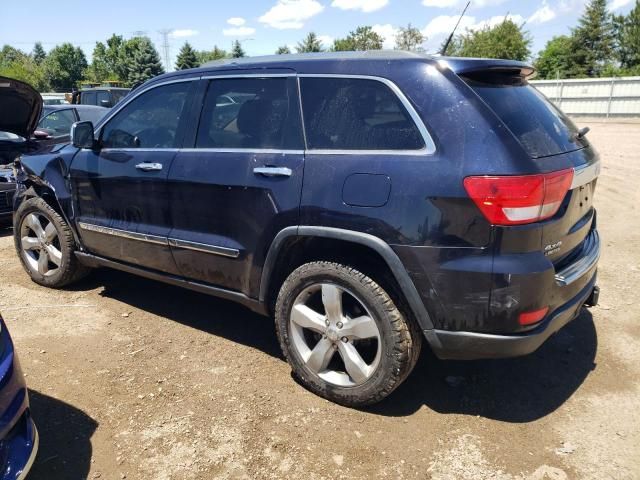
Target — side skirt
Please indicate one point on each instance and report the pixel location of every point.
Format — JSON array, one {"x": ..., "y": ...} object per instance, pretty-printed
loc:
[{"x": 95, "y": 262}]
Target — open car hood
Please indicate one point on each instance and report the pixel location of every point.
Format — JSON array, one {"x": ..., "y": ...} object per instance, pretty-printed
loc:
[{"x": 20, "y": 107}]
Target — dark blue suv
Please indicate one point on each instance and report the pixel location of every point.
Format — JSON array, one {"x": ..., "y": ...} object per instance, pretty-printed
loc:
[{"x": 368, "y": 201}]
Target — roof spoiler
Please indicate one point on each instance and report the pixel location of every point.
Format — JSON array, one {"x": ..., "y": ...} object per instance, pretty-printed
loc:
[{"x": 467, "y": 66}]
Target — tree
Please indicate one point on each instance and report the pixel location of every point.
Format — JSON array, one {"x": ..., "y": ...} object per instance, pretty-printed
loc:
[
  {"x": 205, "y": 56},
  {"x": 557, "y": 59},
  {"x": 311, "y": 43},
  {"x": 505, "y": 40},
  {"x": 9, "y": 54},
  {"x": 237, "y": 51},
  {"x": 38, "y": 53},
  {"x": 593, "y": 38},
  {"x": 64, "y": 67},
  {"x": 627, "y": 38},
  {"x": 116, "y": 57},
  {"x": 410, "y": 38},
  {"x": 99, "y": 69},
  {"x": 187, "y": 58},
  {"x": 144, "y": 62},
  {"x": 284, "y": 49},
  {"x": 363, "y": 38}
]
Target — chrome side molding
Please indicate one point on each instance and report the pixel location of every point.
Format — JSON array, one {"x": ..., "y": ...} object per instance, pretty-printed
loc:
[{"x": 203, "y": 247}]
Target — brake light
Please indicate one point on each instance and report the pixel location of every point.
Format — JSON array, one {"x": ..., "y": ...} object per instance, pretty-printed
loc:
[
  {"x": 529, "y": 318},
  {"x": 519, "y": 199}
]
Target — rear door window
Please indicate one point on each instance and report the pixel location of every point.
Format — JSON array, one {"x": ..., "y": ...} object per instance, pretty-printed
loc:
[
  {"x": 254, "y": 113},
  {"x": 88, "y": 98},
  {"x": 541, "y": 128},
  {"x": 356, "y": 114}
]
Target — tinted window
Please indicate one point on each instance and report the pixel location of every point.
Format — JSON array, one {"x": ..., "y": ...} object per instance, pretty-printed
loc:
[
  {"x": 93, "y": 115},
  {"x": 356, "y": 114},
  {"x": 88, "y": 98},
  {"x": 103, "y": 95},
  {"x": 150, "y": 121},
  {"x": 58, "y": 122},
  {"x": 540, "y": 127},
  {"x": 250, "y": 113}
]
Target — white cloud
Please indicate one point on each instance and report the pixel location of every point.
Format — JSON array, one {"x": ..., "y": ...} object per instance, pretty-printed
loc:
[
  {"x": 440, "y": 3},
  {"x": 496, "y": 20},
  {"x": 236, "y": 21},
  {"x": 291, "y": 14},
  {"x": 616, "y": 4},
  {"x": 543, "y": 14},
  {"x": 238, "y": 31},
  {"x": 362, "y": 5},
  {"x": 444, "y": 24},
  {"x": 187, "y": 32},
  {"x": 326, "y": 40},
  {"x": 388, "y": 33}
]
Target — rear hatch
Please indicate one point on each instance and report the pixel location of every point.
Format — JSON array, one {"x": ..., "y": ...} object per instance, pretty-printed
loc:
[{"x": 547, "y": 209}]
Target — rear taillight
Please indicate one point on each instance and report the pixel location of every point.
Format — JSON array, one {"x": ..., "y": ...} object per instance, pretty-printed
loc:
[{"x": 515, "y": 200}]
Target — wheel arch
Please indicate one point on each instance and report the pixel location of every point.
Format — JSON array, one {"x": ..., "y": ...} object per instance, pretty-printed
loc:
[{"x": 278, "y": 253}]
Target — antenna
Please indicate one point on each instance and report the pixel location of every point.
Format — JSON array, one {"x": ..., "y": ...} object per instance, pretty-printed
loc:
[
  {"x": 446, "y": 45},
  {"x": 164, "y": 33}
]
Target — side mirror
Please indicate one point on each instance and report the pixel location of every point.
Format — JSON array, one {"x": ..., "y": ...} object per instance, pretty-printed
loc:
[
  {"x": 41, "y": 135},
  {"x": 106, "y": 103},
  {"x": 82, "y": 135}
]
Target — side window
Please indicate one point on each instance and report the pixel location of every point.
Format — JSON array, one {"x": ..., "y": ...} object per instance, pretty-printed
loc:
[
  {"x": 57, "y": 123},
  {"x": 250, "y": 113},
  {"x": 150, "y": 121},
  {"x": 88, "y": 98},
  {"x": 356, "y": 114},
  {"x": 103, "y": 95}
]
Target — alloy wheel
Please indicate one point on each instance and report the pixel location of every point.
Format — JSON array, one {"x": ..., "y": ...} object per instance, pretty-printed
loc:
[
  {"x": 335, "y": 335},
  {"x": 40, "y": 244}
]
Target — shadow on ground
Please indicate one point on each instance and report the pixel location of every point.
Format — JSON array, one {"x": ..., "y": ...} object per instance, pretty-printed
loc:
[
  {"x": 5, "y": 231},
  {"x": 65, "y": 439},
  {"x": 510, "y": 390}
]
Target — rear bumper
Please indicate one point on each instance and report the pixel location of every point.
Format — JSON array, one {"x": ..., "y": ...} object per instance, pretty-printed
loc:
[{"x": 452, "y": 345}]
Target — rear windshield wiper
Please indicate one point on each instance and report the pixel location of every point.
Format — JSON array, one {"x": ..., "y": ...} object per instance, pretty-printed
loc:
[{"x": 580, "y": 134}]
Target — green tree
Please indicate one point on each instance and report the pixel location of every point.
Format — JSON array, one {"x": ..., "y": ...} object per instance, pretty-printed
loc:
[
  {"x": 144, "y": 61},
  {"x": 363, "y": 38},
  {"x": 237, "y": 51},
  {"x": 187, "y": 58},
  {"x": 99, "y": 70},
  {"x": 38, "y": 53},
  {"x": 410, "y": 38},
  {"x": 627, "y": 38},
  {"x": 594, "y": 38},
  {"x": 284, "y": 49},
  {"x": 205, "y": 56},
  {"x": 64, "y": 67},
  {"x": 505, "y": 40},
  {"x": 557, "y": 60},
  {"x": 9, "y": 54},
  {"x": 310, "y": 43},
  {"x": 116, "y": 58},
  {"x": 25, "y": 70}
]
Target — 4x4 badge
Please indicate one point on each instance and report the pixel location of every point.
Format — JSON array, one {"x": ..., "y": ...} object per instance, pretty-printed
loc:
[{"x": 552, "y": 248}]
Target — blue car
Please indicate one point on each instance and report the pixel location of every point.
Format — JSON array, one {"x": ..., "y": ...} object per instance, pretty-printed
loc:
[
  {"x": 369, "y": 202},
  {"x": 18, "y": 434}
]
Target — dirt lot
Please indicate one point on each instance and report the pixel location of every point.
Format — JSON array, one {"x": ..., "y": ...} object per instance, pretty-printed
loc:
[{"x": 139, "y": 380}]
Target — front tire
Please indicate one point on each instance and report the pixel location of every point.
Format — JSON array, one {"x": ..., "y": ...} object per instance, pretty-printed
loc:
[
  {"x": 343, "y": 335},
  {"x": 45, "y": 245}
]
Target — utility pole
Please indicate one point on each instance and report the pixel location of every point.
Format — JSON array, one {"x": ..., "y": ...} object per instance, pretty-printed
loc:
[{"x": 164, "y": 33}]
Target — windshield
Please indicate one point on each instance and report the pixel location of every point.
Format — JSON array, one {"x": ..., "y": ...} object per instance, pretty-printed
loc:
[{"x": 541, "y": 128}]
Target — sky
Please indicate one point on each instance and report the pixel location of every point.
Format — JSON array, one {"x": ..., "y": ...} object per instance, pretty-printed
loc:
[{"x": 264, "y": 25}]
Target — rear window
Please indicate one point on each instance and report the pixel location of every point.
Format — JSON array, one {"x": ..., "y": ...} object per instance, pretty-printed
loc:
[
  {"x": 356, "y": 114},
  {"x": 541, "y": 128}
]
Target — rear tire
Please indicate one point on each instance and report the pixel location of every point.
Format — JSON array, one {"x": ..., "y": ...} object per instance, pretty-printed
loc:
[
  {"x": 45, "y": 245},
  {"x": 343, "y": 335}
]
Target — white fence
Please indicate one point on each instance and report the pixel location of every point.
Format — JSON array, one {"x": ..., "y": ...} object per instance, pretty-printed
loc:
[{"x": 598, "y": 97}]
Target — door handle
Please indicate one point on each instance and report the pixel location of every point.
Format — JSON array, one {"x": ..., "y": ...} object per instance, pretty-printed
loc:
[
  {"x": 273, "y": 171},
  {"x": 149, "y": 167}
]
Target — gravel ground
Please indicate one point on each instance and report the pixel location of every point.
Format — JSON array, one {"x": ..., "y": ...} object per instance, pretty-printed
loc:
[{"x": 134, "y": 379}]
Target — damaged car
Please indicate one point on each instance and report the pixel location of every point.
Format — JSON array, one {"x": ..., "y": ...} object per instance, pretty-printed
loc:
[{"x": 369, "y": 201}]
